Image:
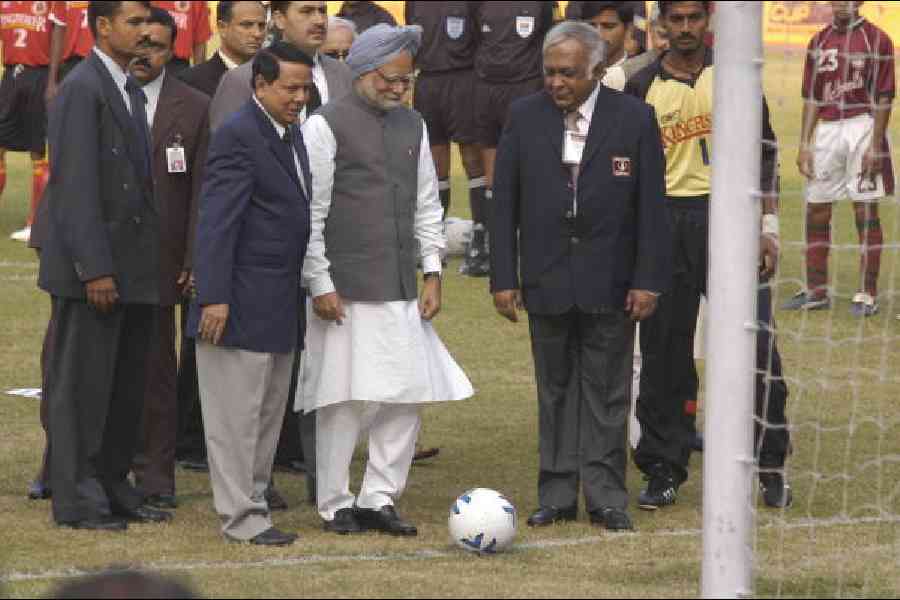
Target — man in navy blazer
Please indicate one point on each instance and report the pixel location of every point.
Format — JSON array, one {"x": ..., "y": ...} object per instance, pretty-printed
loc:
[
  {"x": 251, "y": 241},
  {"x": 580, "y": 217}
]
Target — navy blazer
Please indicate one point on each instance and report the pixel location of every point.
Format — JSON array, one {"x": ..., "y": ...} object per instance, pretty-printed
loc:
[
  {"x": 620, "y": 239},
  {"x": 252, "y": 233}
]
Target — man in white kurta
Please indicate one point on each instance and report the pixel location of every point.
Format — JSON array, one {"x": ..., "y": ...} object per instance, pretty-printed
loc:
[{"x": 372, "y": 356}]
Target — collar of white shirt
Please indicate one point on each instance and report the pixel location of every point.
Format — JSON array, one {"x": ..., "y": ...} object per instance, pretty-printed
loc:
[
  {"x": 279, "y": 128},
  {"x": 229, "y": 64},
  {"x": 586, "y": 110},
  {"x": 152, "y": 90},
  {"x": 120, "y": 77}
]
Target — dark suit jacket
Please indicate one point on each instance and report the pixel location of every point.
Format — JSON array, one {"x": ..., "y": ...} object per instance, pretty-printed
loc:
[
  {"x": 252, "y": 234},
  {"x": 205, "y": 76},
  {"x": 236, "y": 88},
  {"x": 620, "y": 239},
  {"x": 101, "y": 219},
  {"x": 182, "y": 116}
]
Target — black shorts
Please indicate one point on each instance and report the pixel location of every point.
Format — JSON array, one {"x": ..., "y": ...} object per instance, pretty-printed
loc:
[
  {"x": 23, "y": 110},
  {"x": 492, "y": 102},
  {"x": 445, "y": 102}
]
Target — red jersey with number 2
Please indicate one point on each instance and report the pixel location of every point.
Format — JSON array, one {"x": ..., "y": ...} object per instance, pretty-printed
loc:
[
  {"x": 25, "y": 32},
  {"x": 74, "y": 16},
  {"x": 848, "y": 71}
]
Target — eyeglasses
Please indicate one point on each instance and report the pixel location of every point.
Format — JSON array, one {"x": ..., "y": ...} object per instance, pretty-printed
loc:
[
  {"x": 340, "y": 55},
  {"x": 404, "y": 82}
]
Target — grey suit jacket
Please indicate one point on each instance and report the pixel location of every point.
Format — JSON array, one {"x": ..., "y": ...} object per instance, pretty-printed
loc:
[{"x": 236, "y": 89}]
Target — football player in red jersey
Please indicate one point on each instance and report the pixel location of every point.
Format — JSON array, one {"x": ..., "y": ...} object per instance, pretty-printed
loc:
[
  {"x": 848, "y": 88},
  {"x": 192, "y": 19},
  {"x": 25, "y": 34},
  {"x": 70, "y": 41}
]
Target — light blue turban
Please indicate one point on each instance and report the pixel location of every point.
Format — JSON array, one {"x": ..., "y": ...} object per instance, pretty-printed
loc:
[{"x": 381, "y": 44}]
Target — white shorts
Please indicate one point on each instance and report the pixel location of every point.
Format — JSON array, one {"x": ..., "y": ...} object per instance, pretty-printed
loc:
[{"x": 839, "y": 147}]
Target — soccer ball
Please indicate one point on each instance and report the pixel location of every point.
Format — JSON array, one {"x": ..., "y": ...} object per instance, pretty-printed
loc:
[{"x": 482, "y": 521}]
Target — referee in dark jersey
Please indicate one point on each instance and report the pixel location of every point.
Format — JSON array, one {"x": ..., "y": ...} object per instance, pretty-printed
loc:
[
  {"x": 443, "y": 95},
  {"x": 508, "y": 66}
]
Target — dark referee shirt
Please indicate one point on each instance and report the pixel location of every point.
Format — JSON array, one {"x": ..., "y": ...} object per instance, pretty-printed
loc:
[
  {"x": 450, "y": 36},
  {"x": 511, "y": 36},
  {"x": 365, "y": 15}
]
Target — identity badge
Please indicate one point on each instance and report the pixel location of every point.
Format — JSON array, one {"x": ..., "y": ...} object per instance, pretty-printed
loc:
[
  {"x": 524, "y": 26},
  {"x": 573, "y": 148},
  {"x": 175, "y": 159},
  {"x": 456, "y": 26}
]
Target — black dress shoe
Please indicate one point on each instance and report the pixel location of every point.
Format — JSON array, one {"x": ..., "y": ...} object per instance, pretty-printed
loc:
[
  {"x": 274, "y": 499},
  {"x": 344, "y": 523},
  {"x": 385, "y": 520},
  {"x": 274, "y": 537},
  {"x": 163, "y": 501},
  {"x": 38, "y": 490},
  {"x": 198, "y": 465},
  {"x": 614, "y": 519},
  {"x": 550, "y": 514},
  {"x": 144, "y": 514},
  {"x": 97, "y": 524},
  {"x": 425, "y": 453}
]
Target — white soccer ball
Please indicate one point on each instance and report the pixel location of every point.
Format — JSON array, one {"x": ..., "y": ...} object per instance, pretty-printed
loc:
[{"x": 483, "y": 521}]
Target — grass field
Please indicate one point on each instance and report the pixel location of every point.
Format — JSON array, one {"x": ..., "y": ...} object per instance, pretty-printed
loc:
[{"x": 841, "y": 538}]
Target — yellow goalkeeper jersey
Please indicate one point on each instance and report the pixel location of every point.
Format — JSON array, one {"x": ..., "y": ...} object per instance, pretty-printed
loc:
[{"x": 684, "y": 112}]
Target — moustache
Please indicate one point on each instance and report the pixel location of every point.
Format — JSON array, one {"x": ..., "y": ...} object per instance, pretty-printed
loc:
[{"x": 142, "y": 62}]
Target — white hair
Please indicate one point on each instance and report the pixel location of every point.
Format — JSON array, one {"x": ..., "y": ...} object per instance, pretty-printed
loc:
[
  {"x": 334, "y": 22},
  {"x": 582, "y": 33}
]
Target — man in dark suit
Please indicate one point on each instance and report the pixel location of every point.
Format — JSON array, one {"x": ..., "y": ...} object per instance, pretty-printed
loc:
[
  {"x": 303, "y": 25},
  {"x": 178, "y": 118},
  {"x": 580, "y": 212},
  {"x": 251, "y": 241},
  {"x": 242, "y": 30},
  {"x": 100, "y": 264}
]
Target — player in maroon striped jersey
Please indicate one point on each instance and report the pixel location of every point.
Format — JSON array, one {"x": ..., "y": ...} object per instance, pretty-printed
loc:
[{"x": 848, "y": 87}]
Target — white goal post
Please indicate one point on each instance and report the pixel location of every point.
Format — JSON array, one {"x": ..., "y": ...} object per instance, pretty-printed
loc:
[{"x": 734, "y": 227}]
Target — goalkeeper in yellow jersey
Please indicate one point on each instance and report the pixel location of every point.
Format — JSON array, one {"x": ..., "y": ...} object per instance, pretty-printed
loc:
[{"x": 679, "y": 85}]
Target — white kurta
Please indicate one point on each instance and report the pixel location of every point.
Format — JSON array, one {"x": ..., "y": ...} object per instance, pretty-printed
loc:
[{"x": 382, "y": 352}]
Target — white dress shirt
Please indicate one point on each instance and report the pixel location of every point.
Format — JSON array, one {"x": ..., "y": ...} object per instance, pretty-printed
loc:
[
  {"x": 615, "y": 75},
  {"x": 586, "y": 112},
  {"x": 152, "y": 91},
  {"x": 280, "y": 129},
  {"x": 322, "y": 148},
  {"x": 229, "y": 64},
  {"x": 318, "y": 74},
  {"x": 119, "y": 76}
]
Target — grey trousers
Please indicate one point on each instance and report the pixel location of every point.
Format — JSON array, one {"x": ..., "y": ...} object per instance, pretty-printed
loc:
[
  {"x": 242, "y": 395},
  {"x": 583, "y": 370}
]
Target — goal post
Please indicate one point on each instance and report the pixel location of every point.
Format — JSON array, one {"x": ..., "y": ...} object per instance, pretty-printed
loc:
[{"x": 734, "y": 228}]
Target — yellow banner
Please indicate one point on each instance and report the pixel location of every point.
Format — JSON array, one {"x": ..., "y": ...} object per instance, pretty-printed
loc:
[{"x": 794, "y": 23}]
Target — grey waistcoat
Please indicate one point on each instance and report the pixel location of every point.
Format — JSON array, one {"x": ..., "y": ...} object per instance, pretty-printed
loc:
[{"x": 370, "y": 230}]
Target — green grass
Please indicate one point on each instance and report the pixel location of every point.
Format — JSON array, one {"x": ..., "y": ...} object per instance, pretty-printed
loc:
[{"x": 840, "y": 538}]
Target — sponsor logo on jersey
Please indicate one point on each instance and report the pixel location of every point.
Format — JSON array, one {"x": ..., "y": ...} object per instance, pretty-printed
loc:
[
  {"x": 23, "y": 21},
  {"x": 833, "y": 90},
  {"x": 677, "y": 132}
]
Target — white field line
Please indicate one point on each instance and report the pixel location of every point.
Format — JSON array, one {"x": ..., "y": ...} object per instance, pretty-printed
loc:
[
  {"x": 421, "y": 555},
  {"x": 7, "y": 264}
]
